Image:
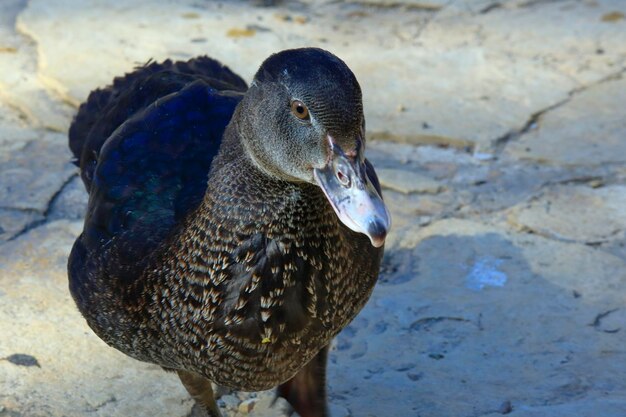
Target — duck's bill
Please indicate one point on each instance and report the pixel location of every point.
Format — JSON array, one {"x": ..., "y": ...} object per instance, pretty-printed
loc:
[{"x": 352, "y": 195}]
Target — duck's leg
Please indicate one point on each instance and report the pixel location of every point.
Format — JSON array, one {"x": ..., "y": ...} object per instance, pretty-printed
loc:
[
  {"x": 306, "y": 391},
  {"x": 200, "y": 390}
]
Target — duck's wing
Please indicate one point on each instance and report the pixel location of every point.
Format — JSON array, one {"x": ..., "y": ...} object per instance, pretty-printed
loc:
[
  {"x": 147, "y": 175},
  {"x": 108, "y": 108}
]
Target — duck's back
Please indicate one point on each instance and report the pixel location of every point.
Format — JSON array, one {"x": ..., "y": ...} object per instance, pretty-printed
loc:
[
  {"x": 145, "y": 147},
  {"x": 108, "y": 108}
]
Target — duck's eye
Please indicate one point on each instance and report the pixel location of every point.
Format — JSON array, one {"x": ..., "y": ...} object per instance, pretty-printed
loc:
[{"x": 299, "y": 110}]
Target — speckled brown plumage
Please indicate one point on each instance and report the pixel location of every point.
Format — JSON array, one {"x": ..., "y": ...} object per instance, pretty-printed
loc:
[
  {"x": 262, "y": 259},
  {"x": 243, "y": 285}
]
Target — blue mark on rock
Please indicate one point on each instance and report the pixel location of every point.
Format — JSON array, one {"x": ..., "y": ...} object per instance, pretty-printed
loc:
[{"x": 485, "y": 273}]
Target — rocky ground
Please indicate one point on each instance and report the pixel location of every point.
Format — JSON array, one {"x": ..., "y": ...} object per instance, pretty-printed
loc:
[{"x": 499, "y": 132}]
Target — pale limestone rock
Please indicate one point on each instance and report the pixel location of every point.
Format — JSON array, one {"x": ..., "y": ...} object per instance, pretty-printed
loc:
[
  {"x": 246, "y": 406},
  {"x": 572, "y": 134},
  {"x": 229, "y": 401},
  {"x": 338, "y": 411},
  {"x": 268, "y": 405},
  {"x": 383, "y": 152},
  {"x": 597, "y": 275},
  {"x": 430, "y": 5},
  {"x": 31, "y": 176},
  {"x": 596, "y": 406},
  {"x": 14, "y": 221},
  {"x": 70, "y": 203},
  {"x": 14, "y": 129},
  {"x": 530, "y": 318},
  {"x": 456, "y": 77},
  {"x": 569, "y": 38},
  {"x": 413, "y": 236},
  {"x": 577, "y": 213},
  {"x": 407, "y": 182},
  {"x": 20, "y": 85}
]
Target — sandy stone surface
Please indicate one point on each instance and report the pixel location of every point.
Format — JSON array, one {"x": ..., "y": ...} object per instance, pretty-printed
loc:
[
  {"x": 498, "y": 131},
  {"x": 571, "y": 134},
  {"x": 580, "y": 213}
]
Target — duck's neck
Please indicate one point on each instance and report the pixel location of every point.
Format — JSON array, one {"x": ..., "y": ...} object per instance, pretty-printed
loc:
[{"x": 240, "y": 195}]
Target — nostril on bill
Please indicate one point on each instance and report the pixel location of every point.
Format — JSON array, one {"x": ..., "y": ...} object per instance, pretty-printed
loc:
[{"x": 343, "y": 179}]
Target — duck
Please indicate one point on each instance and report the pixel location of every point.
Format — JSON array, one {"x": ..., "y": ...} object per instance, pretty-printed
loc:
[{"x": 231, "y": 231}]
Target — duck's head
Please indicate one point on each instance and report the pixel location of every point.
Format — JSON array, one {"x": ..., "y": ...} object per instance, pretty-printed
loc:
[{"x": 302, "y": 121}]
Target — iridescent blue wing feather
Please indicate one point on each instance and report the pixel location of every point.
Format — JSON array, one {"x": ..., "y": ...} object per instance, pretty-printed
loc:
[
  {"x": 106, "y": 109},
  {"x": 150, "y": 171}
]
